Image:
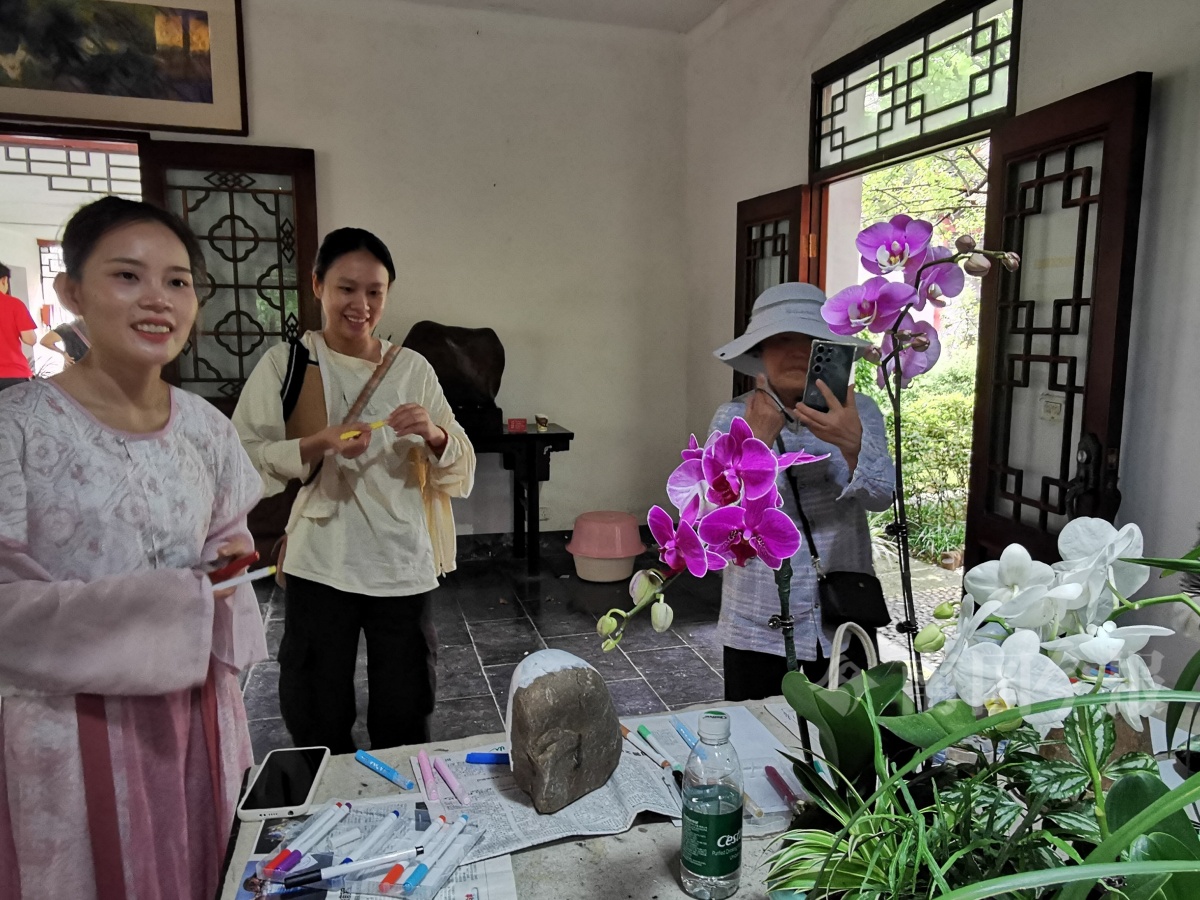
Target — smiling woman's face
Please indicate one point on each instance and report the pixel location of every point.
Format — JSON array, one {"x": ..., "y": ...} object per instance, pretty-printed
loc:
[
  {"x": 136, "y": 294},
  {"x": 353, "y": 294},
  {"x": 785, "y": 359}
]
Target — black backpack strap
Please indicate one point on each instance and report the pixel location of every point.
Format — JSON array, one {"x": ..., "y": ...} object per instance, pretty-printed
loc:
[{"x": 299, "y": 359}]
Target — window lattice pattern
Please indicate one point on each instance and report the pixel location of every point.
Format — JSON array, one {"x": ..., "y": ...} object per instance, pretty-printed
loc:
[
  {"x": 74, "y": 170},
  {"x": 50, "y": 263},
  {"x": 246, "y": 226},
  {"x": 951, "y": 75}
]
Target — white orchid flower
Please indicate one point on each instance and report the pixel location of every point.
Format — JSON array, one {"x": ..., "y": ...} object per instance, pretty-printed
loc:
[
  {"x": 1002, "y": 579},
  {"x": 970, "y": 620},
  {"x": 1091, "y": 551},
  {"x": 1107, "y": 642},
  {"x": 1135, "y": 676},
  {"x": 1011, "y": 674},
  {"x": 1040, "y": 605}
]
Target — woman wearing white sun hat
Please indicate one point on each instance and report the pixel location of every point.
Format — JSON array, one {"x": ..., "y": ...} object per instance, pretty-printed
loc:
[{"x": 836, "y": 493}]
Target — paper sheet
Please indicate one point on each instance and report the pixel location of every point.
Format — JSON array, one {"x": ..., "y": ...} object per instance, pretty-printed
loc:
[{"x": 493, "y": 877}]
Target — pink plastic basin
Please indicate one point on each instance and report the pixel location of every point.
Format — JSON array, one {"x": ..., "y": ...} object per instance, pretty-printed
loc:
[
  {"x": 605, "y": 545},
  {"x": 606, "y": 535}
]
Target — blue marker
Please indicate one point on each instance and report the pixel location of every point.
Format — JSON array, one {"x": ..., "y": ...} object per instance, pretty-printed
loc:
[
  {"x": 379, "y": 767},
  {"x": 688, "y": 738},
  {"x": 432, "y": 854},
  {"x": 488, "y": 759}
]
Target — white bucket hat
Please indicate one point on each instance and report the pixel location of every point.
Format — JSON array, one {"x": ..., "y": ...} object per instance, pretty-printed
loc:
[{"x": 789, "y": 307}]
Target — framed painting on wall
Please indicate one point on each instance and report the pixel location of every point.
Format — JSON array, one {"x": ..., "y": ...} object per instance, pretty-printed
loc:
[{"x": 128, "y": 63}]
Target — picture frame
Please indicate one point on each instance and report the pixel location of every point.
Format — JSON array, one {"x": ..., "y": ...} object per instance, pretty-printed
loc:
[{"x": 161, "y": 65}]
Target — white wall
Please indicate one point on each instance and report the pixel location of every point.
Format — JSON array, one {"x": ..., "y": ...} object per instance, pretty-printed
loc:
[
  {"x": 527, "y": 175},
  {"x": 748, "y": 81}
]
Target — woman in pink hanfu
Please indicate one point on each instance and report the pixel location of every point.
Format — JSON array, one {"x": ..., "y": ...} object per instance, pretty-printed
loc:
[{"x": 122, "y": 733}]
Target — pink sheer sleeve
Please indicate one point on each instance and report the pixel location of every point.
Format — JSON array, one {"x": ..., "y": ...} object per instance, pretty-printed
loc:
[{"x": 142, "y": 633}]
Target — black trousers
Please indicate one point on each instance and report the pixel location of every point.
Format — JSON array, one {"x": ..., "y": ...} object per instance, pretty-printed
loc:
[
  {"x": 9, "y": 382},
  {"x": 750, "y": 675},
  {"x": 317, "y": 658}
]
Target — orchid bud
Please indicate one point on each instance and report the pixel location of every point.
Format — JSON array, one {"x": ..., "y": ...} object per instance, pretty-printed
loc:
[
  {"x": 872, "y": 354},
  {"x": 606, "y": 625},
  {"x": 661, "y": 615},
  {"x": 945, "y": 611},
  {"x": 930, "y": 639},
  {"x": 965, "y": 243},
  {"x": 977, "y": 265},
  {"x": 644, "y": 585},
  {"x": 609, "y": 645},
  {"x": 919, "y": 342},
  {"x": 1010, "y": 261}
]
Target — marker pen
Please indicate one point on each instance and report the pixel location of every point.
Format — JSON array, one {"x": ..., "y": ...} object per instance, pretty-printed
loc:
[
  {"x": 362, "y": 865},
  {"x": 427, "y": 775},
  {"x": 391, "y": 881},
  {"x": 641, "y": 745},
  {"x": 315, "y": 821},
  {"x": 244, "y": 579},
  {"x": 429, "y": 860},
  {"x": 488, "y": 759},
  {"x": 310, "y": 839},
  {"x": 649, "y": 738},
  {"x": 688, "y": 737},
  {"x": 782, "y": 788},
  {"x": 379, "y": 767},
  {"x": 375, "y": 838},
  {"x": 459, "y": 792}
]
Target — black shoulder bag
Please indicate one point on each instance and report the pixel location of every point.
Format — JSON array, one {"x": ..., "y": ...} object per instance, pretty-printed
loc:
[{"x": 844, "y": 596}]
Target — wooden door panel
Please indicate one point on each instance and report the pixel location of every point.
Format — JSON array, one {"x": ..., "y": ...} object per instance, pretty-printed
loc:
[
  {"x": 1065, "y": 194},
  {"x": 254, "y": 212}
]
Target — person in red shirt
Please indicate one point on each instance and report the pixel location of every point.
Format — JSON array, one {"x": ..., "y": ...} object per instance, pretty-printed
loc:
[{"x": 16, "y": 328}]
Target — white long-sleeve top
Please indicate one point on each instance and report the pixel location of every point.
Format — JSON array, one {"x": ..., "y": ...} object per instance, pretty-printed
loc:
[{"x": 378, "y": 525}]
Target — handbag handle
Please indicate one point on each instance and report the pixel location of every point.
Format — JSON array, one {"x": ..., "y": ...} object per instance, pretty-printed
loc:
[
  {"x": 805, "y": 527},
  {"x": 835, "y": 657}
]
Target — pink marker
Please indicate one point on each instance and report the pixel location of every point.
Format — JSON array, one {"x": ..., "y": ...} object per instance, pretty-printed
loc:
[
  {"x": 427, "y": 775},
  {"x": 451, "y": 782}
]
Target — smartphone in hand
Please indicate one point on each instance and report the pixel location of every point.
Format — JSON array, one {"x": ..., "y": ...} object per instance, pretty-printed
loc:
[{"x": 832, "y": 363}]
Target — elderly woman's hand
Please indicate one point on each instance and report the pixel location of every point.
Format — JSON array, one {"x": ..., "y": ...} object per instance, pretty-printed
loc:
[
  {"x": 841, "y": 426},
  {"x": 763, "y": 414}
]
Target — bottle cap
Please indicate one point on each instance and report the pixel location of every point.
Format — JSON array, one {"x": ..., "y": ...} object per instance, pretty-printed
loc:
[{"x": 714, "y": 727}]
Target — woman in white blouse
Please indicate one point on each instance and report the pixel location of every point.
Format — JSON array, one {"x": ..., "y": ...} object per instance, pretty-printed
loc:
[{"x": 371, "y": 530}]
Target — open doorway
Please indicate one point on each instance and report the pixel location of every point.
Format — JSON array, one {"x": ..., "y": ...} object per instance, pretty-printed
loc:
[
  {"x": 43, "y": 180},
  {"x": 949, "y": 189}
]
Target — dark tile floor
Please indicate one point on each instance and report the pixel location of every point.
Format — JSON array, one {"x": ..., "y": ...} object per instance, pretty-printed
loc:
[{"x": 490, "y": 615}]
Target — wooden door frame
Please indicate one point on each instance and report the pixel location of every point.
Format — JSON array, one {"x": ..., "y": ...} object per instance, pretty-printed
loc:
[{"x": 1124, "y": 146}]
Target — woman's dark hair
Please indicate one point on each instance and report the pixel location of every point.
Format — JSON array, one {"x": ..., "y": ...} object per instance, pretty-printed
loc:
[
  {"x": 90, "y": 223},
  {"x": 350, "y": 240}
]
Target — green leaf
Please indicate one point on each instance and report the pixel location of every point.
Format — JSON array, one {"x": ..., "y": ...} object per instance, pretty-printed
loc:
[
  {"x": 1090, "y": 734},
  {"x": 1185, "y": 563},
  {"x": 1128, "y": 764},
  {"x": 882, "y": 684},
  {"x": 936, "y": 724},
  {"x": 1054, "y": 779},
  {"x": 821, "y": 792},
  {"x": 1079, "y": 823},
  {"x": 1187, "y": 681},
  {"x": 1160, "y": 846},
  {"x": 1134, "y": 794}
]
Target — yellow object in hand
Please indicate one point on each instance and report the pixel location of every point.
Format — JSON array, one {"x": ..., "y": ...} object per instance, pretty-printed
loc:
[{"x": 345, "y": 436}]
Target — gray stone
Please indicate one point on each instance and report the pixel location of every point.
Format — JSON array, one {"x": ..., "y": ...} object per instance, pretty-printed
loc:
[{"x": 564, "y": 736}]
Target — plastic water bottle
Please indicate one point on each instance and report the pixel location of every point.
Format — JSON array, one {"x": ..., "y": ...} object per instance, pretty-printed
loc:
[{"x": 711, "y": 858}]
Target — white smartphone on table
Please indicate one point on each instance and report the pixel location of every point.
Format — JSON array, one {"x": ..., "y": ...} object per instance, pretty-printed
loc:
[{"x": 285, "y": 784}]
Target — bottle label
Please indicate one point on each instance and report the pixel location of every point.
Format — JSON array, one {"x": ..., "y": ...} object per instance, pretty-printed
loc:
[{"x": 712, "y": 844}]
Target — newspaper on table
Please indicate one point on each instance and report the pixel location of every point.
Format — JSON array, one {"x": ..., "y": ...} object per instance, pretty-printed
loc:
[
  {"x": 638, "y": 785},
  {"x": 487, "y": 880}
]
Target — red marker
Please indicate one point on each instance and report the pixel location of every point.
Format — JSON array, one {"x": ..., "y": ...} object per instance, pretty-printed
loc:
[{"x": 781, "y": 787}]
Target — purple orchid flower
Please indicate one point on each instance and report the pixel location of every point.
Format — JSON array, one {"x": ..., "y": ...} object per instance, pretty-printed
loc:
[
  {"x": 740, "y": 534},
  {"x": 686, "y": 489},
  {"x": 875, "y": 305},
  {"x": 681, "y": 548},
  {"x": 738, "y": 463},
  {"x": 939, "y": 282},
  {"x": 896, "y": 244},
  {"x": 912, "y": 361}
]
